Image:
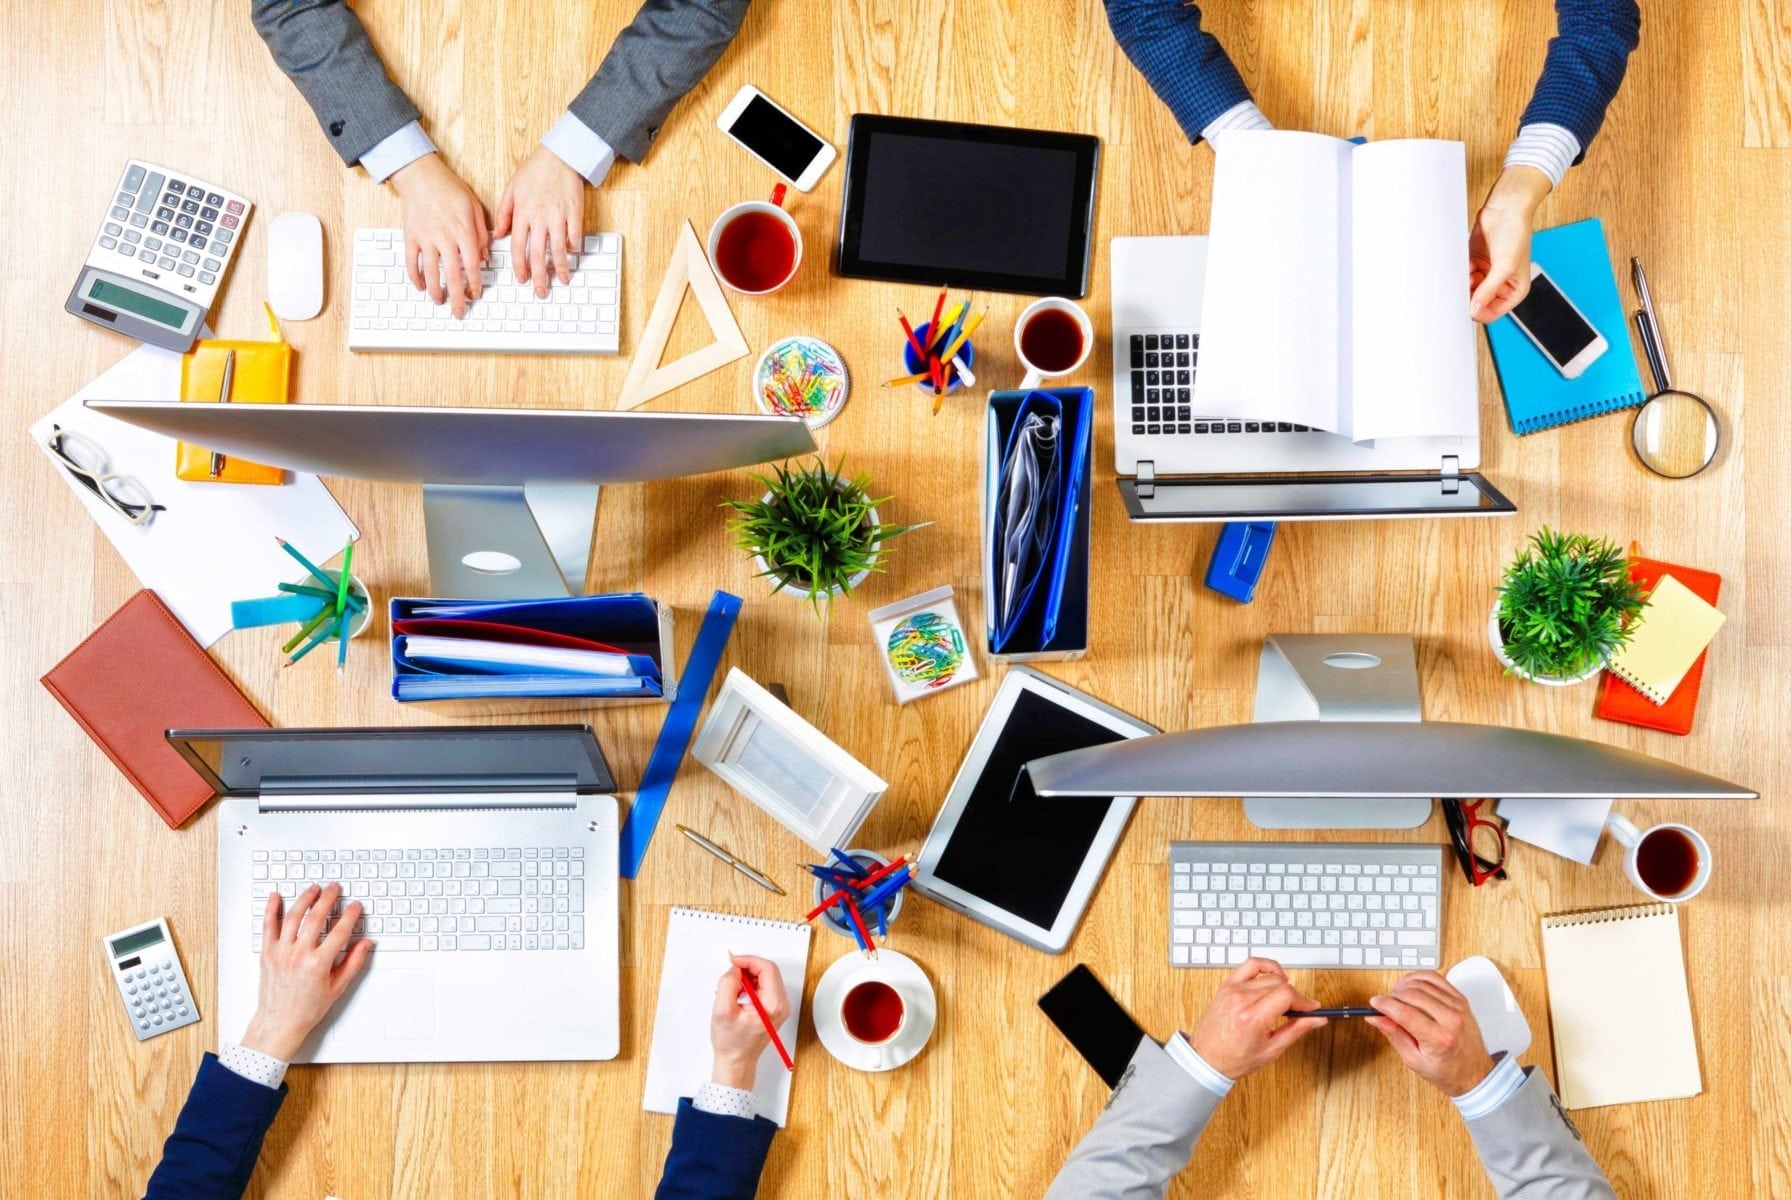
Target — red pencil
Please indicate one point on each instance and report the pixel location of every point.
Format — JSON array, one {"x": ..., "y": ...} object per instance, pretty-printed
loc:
[
  {"x": 870, "y": 947},
  {"x": 753, "y": 995},
  {"x": 914, "y": 342},
  {"x": 938, "y": 310}
]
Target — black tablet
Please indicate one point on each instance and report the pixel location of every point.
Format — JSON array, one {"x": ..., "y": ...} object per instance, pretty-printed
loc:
[{"x": 979, "y": 206}]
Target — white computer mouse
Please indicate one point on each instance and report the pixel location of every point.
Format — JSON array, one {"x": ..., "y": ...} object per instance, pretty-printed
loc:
[
  {"x": 1501, "y": 1021},
  {"x": 295, "y": 266}
]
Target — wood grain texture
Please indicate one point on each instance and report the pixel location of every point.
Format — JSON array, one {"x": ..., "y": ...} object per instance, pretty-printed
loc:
[{"x": 1691, "y": 171}]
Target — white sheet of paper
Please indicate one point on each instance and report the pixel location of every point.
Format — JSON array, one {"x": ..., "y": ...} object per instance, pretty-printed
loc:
[
  {"x": 216, "y": 542},
  {"x": 1570, "y": 828}
]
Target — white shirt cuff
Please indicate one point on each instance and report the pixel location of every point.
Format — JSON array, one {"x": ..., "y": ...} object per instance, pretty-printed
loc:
[
  {"x": 396, "y": 150},
  {"x": 252, "y": 1065},
  {"x": 578, "y": 146},
  {"x": 1551, "y": 149},
  {"x": 725, "y": 1101},
  {"x": 1204, "y": 1073},
  {"x": 1242, "y": 115},
  {"x": 1500, "y": 1084}
]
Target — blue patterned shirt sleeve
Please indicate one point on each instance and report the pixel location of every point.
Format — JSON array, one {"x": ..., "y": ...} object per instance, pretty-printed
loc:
[
  {"x": 1584, "y": 66},
  {"x": 1184, "y": 64}
]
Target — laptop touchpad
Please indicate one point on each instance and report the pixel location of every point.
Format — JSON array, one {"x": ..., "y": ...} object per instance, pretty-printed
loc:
[{"x": 387, "y": 1003}]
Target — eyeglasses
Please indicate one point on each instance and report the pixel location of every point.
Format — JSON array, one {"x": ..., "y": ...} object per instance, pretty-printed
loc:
[
  {"x": 87, "y": 462},
  {"x": 1480, "y": 845}
]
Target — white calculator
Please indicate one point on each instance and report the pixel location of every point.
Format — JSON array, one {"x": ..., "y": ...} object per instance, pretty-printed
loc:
[
  {"x": 150, "y": 979},
  {"x": 159, "y": 256}
]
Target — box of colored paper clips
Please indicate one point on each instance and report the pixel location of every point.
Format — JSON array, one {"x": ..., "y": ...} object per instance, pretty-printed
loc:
[{"x": 922, "y": 644}]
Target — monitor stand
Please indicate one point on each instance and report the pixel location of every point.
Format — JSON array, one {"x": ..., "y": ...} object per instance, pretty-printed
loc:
[
  {"x": 515, "y": 542},
  {"x": 1337, "y": 677}
]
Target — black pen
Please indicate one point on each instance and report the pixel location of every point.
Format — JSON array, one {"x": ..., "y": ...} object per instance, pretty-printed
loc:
[{"x": 1333, "y": 1012}]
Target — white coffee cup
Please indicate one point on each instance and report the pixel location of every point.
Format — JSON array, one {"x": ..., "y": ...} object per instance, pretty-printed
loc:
[
  {"x": 1036, "y": 374},
  {"x": 1632, "y": 838},
  {"x": 772, "y": 208}
]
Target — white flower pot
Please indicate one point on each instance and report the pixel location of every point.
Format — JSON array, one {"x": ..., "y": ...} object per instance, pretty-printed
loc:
[
  {"x": 1495, "y": 636},
  {"x": 767, "y": 571}
]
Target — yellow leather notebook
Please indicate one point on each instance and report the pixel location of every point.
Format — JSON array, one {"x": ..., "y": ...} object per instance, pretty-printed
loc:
[
  {"x": 1677, "y": 625},
  {"x": 262, "y": 374}
]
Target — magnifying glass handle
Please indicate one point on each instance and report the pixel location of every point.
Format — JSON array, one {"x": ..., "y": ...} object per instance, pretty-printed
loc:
[{"x": 1651, "y": 348}]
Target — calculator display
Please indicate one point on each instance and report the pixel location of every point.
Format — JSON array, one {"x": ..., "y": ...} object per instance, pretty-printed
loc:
[
  {"x": 136, "y": 941},
  {"x": 136, "y": 302}
]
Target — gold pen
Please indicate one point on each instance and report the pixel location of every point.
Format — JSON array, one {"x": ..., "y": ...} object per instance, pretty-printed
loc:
[
  {"x": 751, "y": 872},
  {"x": 217, "y": 460}
]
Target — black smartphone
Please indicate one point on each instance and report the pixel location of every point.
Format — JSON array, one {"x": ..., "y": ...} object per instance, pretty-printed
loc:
[{"x": 1087, "y": 1014}]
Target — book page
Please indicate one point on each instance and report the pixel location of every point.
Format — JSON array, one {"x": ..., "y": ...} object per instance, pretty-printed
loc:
[
  {"x": 1409, "y": 353},
  {"x": 1270, "y": 345}
]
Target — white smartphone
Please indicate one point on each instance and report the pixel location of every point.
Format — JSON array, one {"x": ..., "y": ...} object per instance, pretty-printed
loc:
[
  {"x": 1557, "y": 327},
  {"x": 776, "y": 139}
]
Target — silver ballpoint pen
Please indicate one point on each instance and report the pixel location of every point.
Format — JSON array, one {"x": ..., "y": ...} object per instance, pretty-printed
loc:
[
  {"x": 751, "y": 872},
  {"x": 217, "y": 460},
  {"x": 1653, "y": 345}
]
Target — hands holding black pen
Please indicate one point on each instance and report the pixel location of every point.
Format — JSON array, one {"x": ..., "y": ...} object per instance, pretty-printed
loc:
[{"x": 1253, "y": 1019}]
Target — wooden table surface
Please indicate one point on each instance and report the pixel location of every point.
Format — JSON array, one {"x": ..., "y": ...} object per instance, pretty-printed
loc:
[{"x": 1693, "y": 171}]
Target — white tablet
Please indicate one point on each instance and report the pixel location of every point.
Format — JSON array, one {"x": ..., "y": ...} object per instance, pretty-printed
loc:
[{"x": 1001, "y": 855}]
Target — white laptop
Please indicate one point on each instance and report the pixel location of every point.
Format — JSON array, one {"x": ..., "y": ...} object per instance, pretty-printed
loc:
[
  {"x": 484, "y": 858},
  {"x": 1175, "y": 465}
]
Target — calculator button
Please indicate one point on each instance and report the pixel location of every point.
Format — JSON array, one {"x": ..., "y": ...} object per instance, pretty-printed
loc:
[
  {"x": 139, "y": 220},
  {"x": 124, "y": 198},
  {"x": 176, "y": 186},
  {"x": 153, "y": 243},
  {"x": 131, "y": 235},
  {"x": 212, "y": 264},
  {"x": 177, "y": 235},
  {"x": 206, "y": 277},
  {"x": 164, "y": 214},
  {"x": 131, "y": 988},
  {"x": 235, "y": 207},
  {"x": 183, "y": 1010},
  {"x": 142, "y": 1024},
  {"x": 228, "y": 221},
  {"x": 190, "y": 257},
  {"x": 120, "y": 214},
  {"x": 186, "y": 272},
  {"x": 189, "y": 206},
  {"x": 184, "y": 221},
  {"x": 133, "y": 177},
  {"x": 214, "y": 199},
  {"x": 113, "y": 228},
  {"x": 127, "y": 251},
  {"x": 208, "y": 213},
  {"x": 196, "y": 242},
  {"x": 222, "y": 236},
  {"x": 203, "y": 225},
  {"x": 155, "y": 968},
  {"x": 158, "y": 227},
  {"x": 166, "y": 264},
  {"x": 156, "y": 1019}
]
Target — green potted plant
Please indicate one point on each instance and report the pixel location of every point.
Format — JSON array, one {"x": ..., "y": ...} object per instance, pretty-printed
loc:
[
  {"x": 1565, "y": 605},
  {"x": 814, "y": 533}
]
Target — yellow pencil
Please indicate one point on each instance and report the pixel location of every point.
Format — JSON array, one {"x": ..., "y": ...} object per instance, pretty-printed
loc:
[
  {"x": 905, "y": 380},
  {"x": 963, "y": 336}
]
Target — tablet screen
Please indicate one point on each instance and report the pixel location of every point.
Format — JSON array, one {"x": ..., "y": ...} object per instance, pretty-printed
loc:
[{"x": 1012, "y": 849}]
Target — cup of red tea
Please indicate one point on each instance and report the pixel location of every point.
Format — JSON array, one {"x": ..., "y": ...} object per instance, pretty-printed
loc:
[
  {"x": 755, "y": 246},
  {"x": 873, "y": 1012},
  {"x": 1668, "y": 862},
  {"x": 1052, "y": 337}
]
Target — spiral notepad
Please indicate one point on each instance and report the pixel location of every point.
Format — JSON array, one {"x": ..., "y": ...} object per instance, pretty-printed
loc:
[
  {"x": 1537, "y": 396},
  {"x": 1618, "y": 1006},
  {"x": 1677, "y": 625},
  {"x": 697, "y": 944}
]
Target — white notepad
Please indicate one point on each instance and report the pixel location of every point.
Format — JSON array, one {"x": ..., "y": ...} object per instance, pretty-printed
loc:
[
  {"x": 697, "y": 945},
  {"x": 1619, "y": 1007}
]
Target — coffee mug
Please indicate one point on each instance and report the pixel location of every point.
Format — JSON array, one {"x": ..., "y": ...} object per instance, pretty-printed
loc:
[
  {"x": 1668, "y": 862},
  {"x": 755, "y": 247},
  {"x": 1052, "y": 337}
]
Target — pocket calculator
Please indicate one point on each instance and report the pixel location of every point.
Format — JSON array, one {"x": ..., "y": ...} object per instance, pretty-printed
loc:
[
  {"x": 150, "y": 979},
  {"x": 156, "y": 262}
]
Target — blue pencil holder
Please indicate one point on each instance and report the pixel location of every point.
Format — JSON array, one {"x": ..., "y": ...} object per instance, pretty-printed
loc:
[
  {"x": 913, "y": 364},
  {"x": 836, "y": 920}
]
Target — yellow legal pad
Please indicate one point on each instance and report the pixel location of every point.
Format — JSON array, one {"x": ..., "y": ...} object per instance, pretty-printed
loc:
[
  {"x": 263, "y": 375},
  {"x": 1676, "y": 626}
]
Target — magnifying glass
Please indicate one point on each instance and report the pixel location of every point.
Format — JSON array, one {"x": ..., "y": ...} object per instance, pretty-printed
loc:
[{"x": 1676, "y": 433}]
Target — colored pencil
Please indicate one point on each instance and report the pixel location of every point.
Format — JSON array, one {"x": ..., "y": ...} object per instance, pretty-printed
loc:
[
  {"x": 913, "y": 342},
  {"x": 851, "y": 864},
  {"x": 864, "y": 936},
  {"x": 299, "y": 589},
  {"x": 873, "y": 877},
  {"x": 953, "y": 323},
  {"x": 323, "y": 615},
  {"x": 342, "y": 576},
  {"x": 888, "y": 888},
  {"x": 933, "y": 325},
  {"x": 342, "y": 640},
  {"x": 905, "y": 380},
  {"x": 963, "y": 335},
  {"x": 316, "y": 640},
  {"x": 316, "y": 572},
  {"x": 765, "y": 1017}
]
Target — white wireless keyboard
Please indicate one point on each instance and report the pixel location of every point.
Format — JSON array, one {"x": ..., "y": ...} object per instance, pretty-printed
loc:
[{"x": 580, "y": 317}]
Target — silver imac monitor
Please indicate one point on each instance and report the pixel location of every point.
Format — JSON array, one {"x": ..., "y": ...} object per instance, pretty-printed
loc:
[{"x": 509, "y": 494}]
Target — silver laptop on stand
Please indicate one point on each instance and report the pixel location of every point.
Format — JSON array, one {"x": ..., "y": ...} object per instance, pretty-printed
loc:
[
  {"x": 1176, "y": 465},
  {"x": 485, "y": 862}
]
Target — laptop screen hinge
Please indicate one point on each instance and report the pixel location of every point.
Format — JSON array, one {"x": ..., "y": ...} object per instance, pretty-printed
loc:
[
  {"x": 1147, "y": 479},
  {"x": 1451, "y": 474}
]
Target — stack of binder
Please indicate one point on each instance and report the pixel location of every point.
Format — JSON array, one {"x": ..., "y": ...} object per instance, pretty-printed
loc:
[
  {"x": 1035, "y": 523},
  {"x": 614, "y": 647}
]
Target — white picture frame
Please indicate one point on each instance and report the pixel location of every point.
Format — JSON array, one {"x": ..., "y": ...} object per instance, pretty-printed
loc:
[{"x": 765, "y": 751}]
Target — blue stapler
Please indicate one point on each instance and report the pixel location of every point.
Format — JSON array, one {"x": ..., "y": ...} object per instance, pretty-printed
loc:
[{"x": 1239, "y": 558}]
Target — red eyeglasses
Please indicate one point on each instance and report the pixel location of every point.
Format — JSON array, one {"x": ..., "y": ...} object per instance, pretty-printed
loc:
[{"x": 1480, "y": 845}]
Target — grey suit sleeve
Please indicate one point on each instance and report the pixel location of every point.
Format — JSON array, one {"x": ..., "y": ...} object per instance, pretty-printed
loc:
[
  {"x": 1532, "y": 1151},
  {"x": 1153, "y": 1119},
  {"x": 665, "y": 51},
  {"x": 324, "y": 49}
]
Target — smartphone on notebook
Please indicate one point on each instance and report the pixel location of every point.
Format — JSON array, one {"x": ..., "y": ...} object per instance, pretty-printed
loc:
[
  {"x": 1087, "y": 1014},
  {"x": 1557, "y": 326},
  {"x": 776, "y": 139}
]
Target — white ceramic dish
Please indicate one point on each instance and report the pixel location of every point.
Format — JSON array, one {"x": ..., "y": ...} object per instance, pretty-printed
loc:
[{"x": 899, "y": 972}]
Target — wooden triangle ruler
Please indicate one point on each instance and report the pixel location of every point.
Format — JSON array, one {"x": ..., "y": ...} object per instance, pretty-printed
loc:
[{"x": 689, "y": 269}]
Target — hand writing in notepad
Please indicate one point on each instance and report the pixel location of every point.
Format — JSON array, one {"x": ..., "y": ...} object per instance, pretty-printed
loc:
[
  {"x": 735, "y": 1031},
  {"x": 1432, "y": 1029}
]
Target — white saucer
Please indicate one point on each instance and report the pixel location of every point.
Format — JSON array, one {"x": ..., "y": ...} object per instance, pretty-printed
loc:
[
  {"x": 898, "y": 971},
  {"x": 1495, "y": 1007}
]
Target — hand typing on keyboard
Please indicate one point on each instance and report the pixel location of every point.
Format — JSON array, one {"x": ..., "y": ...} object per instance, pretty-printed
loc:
[
  {"x": 1242, "y": 1029},
  {"x": 300, "y": 977},
  {"x": 446, "y": 240},
  {"x": 543, "y": 214}
]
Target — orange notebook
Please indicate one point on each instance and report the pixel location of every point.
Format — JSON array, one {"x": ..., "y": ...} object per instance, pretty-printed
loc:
[
  {"x": 1617, "y": 701},
  {"x": 262, "y": 375}
]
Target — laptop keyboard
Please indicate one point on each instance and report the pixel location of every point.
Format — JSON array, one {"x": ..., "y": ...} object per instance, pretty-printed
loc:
[
  {"x": 477, "y": 898},
  {"x": 1162, "y": 367}
]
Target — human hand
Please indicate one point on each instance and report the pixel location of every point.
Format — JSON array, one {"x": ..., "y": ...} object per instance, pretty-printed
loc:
[
  {"x": 1499, "y": 243},
  {"x": 300, "y": 977},
  {"x": 1241, "y": 1030},
  {"x": 543, "y": 213},
  {"x": 1433, "y": 1031},
  {"x": 446, "y": 240},
  {"x": 735, "y": 1030}
]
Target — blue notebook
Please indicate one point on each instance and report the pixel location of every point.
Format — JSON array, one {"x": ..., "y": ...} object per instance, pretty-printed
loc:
[{"x": 1537, "y": 396}]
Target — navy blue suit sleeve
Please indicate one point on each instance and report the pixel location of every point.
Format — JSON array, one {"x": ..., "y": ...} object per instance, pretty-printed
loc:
[
  {"x": 1184, "y": 64},
  {"x": 714, "y": 1157},
  {"x": 1584, "y": 67},
  {"x": 212, "y": 1151}
]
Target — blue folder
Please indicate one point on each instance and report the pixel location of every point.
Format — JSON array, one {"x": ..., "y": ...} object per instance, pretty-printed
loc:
[
  {"x": 1052, "y": 618},
  {"x": 1537, "y": 396}
]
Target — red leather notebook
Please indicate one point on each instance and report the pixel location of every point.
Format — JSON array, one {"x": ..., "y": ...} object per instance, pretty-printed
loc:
[
  {"x": 1617, "y": 701},
  {"x": 137, "y": 676}
]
